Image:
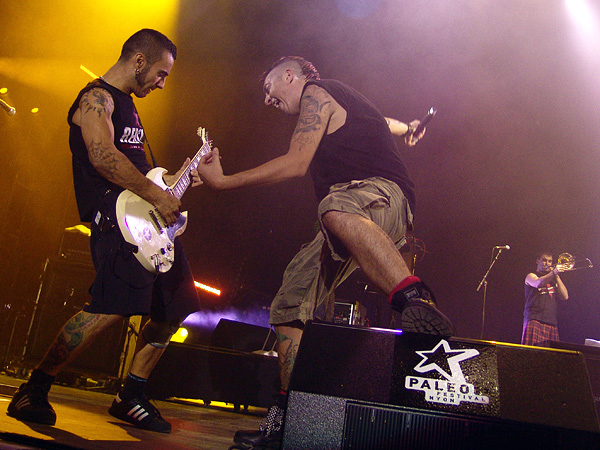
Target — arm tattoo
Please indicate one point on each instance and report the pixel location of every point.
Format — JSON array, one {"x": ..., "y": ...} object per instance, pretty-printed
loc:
[
  {"x": 310, "y": 118},
  {"x": 99, "y": 101},
  {"x": 99, "y": 152}
]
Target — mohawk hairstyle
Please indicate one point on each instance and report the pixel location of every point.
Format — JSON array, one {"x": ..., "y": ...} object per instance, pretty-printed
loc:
[{"x": 307, "y": 68}]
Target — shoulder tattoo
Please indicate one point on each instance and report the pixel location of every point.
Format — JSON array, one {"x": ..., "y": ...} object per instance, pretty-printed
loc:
[{"x": 97, "y": 101}]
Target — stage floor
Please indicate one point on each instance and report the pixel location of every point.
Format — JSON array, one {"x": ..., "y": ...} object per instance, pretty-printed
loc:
[{"x": 83, "y": 422}]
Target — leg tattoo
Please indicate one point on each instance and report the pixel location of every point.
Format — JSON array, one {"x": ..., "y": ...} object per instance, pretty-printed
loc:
[
  {"x": 287, "y": 350},
  {"x": 67, "y": 344}
]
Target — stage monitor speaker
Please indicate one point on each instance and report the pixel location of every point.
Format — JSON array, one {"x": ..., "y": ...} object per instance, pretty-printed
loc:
[
  {"x": 62, "y": 293},
  {"x": 214, "y": 374},
  {"x": 244, "y": 337},
  {"x": 591, "y": 355},
  {"x": 367, "y": 388}
]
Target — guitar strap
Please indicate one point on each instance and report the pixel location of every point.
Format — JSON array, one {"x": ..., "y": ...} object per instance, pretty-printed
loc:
[
  {"x": 148, "y": 142},
  {"x": 151, "y": 154}
]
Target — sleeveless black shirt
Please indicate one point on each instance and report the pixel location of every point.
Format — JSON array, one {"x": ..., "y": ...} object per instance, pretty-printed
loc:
[
  {"x": 540, "y": 303},
  {"x": 363, "y": 147},
  {"x": 129, "y": 138}
]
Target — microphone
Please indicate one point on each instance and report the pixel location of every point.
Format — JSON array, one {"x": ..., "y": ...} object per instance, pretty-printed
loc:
[
  {"x": 503, "y": 247},
  {"x": 6, "y": 107},
  {"x": 424, "y": 121}
]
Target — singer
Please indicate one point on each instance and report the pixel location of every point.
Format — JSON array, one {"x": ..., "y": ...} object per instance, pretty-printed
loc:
[
  {"x": 542, "y": 290},
  {"x": 105, "y": 162},
  {"x": 366, "y": 207}
]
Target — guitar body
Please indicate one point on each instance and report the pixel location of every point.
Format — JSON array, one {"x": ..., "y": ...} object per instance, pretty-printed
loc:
[{"x": 142, "y": 226}]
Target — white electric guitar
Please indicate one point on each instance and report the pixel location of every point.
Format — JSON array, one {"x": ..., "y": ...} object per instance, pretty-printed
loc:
[{"x": 143, "y": 226}]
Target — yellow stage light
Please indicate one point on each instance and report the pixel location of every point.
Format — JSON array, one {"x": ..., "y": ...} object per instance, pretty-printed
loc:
[
  {"x": 180, "y": 336},
  {"x": 207, "y": 288},
  {"x": 82, "y": 229},
  {"x": 35, "y": 110},
  {"x": 3, "y": 91},
  {"x": 88, "y": 71}
]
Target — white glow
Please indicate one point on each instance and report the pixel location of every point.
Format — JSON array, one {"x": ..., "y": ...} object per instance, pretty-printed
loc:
[
  {"x": 586, "y": 33},
  {"x": 582, "y": 14}
]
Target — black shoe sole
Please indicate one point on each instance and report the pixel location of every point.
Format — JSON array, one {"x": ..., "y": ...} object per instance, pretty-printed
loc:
[
  {"x": 425, "y": 319},
  {"x": 255, "y": 440},
  {"x": 24, "y": 418}
]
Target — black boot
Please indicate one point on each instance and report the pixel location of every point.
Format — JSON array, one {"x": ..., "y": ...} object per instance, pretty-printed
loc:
[
  {"x": 419, "y": 313},
  {"x": 269, "y": 433}
]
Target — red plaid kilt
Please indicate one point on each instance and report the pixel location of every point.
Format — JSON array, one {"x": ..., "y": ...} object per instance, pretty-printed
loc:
[{"x": 535, "y": 332}]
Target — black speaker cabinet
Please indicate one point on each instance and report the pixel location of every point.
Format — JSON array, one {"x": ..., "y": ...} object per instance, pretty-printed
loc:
[
  {"x": 63, "y": 292},
  {"x": 245, "y": 337},
  {"x": 361, "y": 388},
  {"x": 591, "y": 355},
  {"x": 214, "y": 374}
]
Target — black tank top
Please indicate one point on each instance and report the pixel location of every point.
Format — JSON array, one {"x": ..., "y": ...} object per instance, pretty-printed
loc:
[
  {"x": 90, "y": 186},
  {"x": 363, "y": 147},
  {"x": 540, "y": 303}
]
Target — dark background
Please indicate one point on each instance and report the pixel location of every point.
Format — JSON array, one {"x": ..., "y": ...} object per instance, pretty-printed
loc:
[{"x": 511, "y": 157}]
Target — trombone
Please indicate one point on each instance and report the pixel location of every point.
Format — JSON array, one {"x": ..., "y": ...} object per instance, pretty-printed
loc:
[{"x": 568, "y": 262}]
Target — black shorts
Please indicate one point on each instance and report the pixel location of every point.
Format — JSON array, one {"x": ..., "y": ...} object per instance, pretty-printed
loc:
[{"x": 124, "y": 287}]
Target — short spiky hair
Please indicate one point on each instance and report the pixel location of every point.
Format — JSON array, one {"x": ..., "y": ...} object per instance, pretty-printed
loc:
[
  {"x": 307, "y": 68},
  {"x": 151, "y": 43}
]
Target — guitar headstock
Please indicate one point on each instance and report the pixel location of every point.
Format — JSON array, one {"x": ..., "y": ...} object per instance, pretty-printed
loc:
[{"x": 204, "y": 136}]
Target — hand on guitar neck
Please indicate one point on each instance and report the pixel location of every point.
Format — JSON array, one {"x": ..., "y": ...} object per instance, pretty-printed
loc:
[{"x": 167, "y": 204}]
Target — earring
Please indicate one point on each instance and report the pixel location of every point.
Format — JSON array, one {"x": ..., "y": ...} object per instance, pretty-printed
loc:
[{"x": 137, "y": 71}]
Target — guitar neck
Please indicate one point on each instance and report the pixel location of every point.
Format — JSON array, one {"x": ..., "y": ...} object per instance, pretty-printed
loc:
[{"x": 180, "y": 186}]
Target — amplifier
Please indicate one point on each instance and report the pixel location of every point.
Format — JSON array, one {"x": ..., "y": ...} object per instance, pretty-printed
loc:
[
  {"x": 349, "y": 314},
  {"x": 75, "y": 245}
]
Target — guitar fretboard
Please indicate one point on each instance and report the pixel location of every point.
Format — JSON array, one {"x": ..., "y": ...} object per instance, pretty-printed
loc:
[{"x": 180, "y": 186}]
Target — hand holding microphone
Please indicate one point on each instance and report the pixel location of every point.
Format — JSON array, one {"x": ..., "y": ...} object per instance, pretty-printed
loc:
[{"x": 413, "y": 135}]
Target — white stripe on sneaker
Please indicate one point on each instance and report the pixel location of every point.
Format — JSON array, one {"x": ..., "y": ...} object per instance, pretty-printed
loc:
[
  {"x": 23, "y": 402},
  {"x": 138, "y": 413}
]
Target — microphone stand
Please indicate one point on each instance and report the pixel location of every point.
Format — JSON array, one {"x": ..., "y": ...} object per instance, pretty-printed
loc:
[{"x": 484, "y": 283}]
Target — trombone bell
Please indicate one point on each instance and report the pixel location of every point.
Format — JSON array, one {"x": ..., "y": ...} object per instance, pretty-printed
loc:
[{"x": 569, "y": 262}]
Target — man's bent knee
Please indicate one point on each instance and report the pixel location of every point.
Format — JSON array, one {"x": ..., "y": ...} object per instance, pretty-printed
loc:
[
  {"x": 158, "y": 334},
  {"x": 330, "y": 218}
]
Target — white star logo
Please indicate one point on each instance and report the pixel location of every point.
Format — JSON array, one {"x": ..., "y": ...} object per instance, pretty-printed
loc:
[{"x": 456, "y": 374}]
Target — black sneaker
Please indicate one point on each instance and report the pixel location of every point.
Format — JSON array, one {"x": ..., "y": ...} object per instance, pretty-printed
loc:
[
  {"x": 269, "y": 433},
  {"x": 419, "y": 313},
  {"x": 30, "y": 403},
  {"x": 140, "y": 413}
]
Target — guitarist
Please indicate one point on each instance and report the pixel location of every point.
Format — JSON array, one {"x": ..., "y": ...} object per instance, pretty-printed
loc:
[{"x": 107, "y": 143}]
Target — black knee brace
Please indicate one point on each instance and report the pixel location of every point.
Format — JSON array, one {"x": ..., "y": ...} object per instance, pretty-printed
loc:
[{"x": 158, "y": 334}]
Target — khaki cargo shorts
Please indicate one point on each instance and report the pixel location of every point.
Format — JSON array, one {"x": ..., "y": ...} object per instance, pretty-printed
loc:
[{"x": 319, "y": 267}]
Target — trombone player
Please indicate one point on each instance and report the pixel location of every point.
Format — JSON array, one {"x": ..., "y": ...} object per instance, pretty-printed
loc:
[{"x": 543, "y": 289}]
